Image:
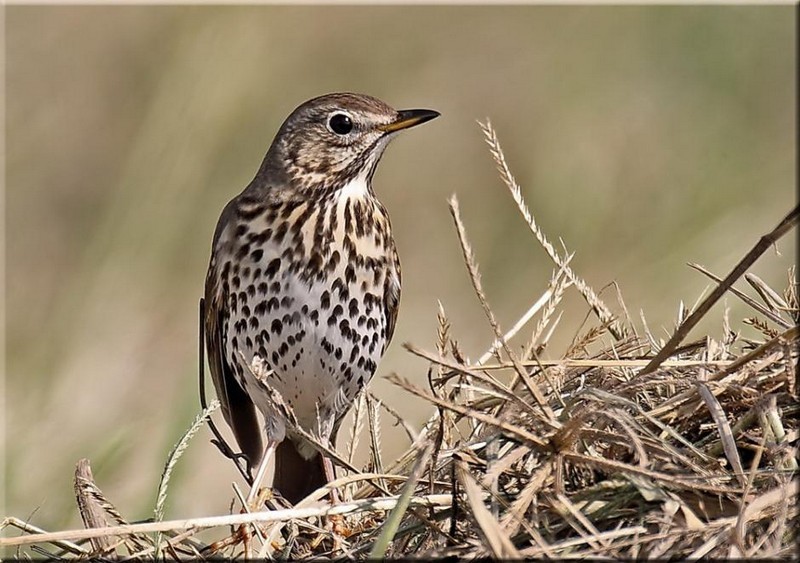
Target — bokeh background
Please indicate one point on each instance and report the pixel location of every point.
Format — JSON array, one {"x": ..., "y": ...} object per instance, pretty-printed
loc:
[{"x": 644, "y": 137}]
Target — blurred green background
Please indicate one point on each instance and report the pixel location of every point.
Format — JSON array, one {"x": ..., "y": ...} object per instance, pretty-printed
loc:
[{"x": 644, "y": 137}]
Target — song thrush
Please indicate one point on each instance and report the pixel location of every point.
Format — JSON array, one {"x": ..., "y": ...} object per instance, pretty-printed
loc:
[{"x": 303, "y": 285}]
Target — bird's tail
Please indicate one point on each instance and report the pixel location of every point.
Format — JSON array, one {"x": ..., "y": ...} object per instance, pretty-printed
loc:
[{"x": 296, "y": 476}]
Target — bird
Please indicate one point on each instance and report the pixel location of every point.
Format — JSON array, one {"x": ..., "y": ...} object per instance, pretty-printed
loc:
[{"x": 303, "y": 286}]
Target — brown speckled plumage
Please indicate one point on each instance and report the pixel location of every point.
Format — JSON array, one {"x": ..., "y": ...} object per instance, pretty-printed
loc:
[{"x": 304, "y": 281}]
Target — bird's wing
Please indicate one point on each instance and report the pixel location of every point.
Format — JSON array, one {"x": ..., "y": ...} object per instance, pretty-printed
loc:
[
  {"x": 237, "y": 407},
  {"x": 391, "y": 297}
]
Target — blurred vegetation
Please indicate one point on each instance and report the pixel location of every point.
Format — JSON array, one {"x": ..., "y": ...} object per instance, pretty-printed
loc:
[{"x": 644, "y": 137}]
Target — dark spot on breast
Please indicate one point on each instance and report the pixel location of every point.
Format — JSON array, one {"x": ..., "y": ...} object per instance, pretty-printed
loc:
[
  {"x": 272, "y": 268},
  {"x": 314, "y": 263},
  {"x": 257, "y": 254},
  {"x": 334, "y": 260},
  {"x": 348, "y": 218},
  {"x": 260, "y": 309},
  {"x": 338, "y": 286},
  {"x": 349, "y": 246},
  {"x": 302, "y": 218},
  {"x": 243, "y": 251},
  {"x": 261, "y": 237},
  {"x": 358, "y": 213},
  {"x": 287, "y": 209},
  {"x": 325, "y": 299},
  {"x": 280, "y": 232},
  {"x": 319, "y": 228},
  {"x": 276, "y": 327},
  {"x": 344, "y": 327},
  {"x": 333, "y": 217},
  {"x": 353, "y": 307}
]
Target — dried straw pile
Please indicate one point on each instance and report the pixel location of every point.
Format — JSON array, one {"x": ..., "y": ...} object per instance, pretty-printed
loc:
[{"x": 627, "y": 447}]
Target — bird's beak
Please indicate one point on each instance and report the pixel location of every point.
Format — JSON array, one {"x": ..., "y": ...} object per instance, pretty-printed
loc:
[{"x": 408, "y": 118}]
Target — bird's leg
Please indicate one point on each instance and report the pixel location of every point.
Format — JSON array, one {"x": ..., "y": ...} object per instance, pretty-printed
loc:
[
  {"x": 330, "y": 476},
  {"x": 260, "y": 472},
  {"x": 336, "y": 522}
]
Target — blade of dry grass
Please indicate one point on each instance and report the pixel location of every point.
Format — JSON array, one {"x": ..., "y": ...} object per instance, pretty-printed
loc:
[
  {"x": 86, "y": 495},
  {"x": 499, "y": 544},
  {"x": 725, "y": 434},
  {"x": 744, "y": 297},
  {"x": 472, "y": 267},
  {"x": 172, "y": 460},
  {"x": 392, "y": 523},
  {"x": 749, "y": 259},
  {"x": 515, "y": 431},
  {"x": 355, "y": 507},
  {"x": 597, "y": 305}
]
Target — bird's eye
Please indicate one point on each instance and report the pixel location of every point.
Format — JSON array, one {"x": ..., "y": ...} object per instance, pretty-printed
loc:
[{"x": 340, "y": 123}]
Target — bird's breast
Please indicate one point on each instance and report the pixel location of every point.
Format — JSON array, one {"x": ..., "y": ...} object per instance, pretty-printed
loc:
[{"x": 307, "y": 293}]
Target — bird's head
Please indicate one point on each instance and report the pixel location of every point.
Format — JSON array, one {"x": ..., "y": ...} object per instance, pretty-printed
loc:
[{"x": 332, "y": 140}]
